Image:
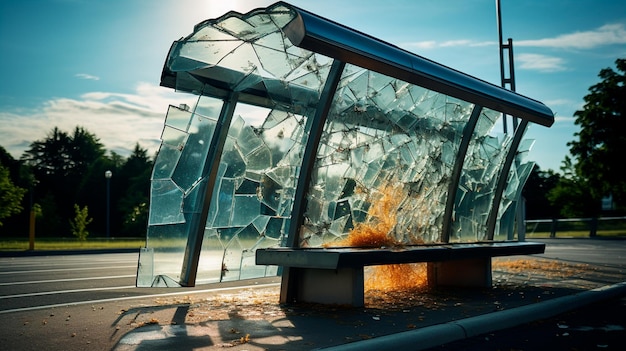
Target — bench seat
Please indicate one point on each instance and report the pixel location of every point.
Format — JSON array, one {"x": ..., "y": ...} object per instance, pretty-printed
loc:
[{"x": 335, "y": 275}]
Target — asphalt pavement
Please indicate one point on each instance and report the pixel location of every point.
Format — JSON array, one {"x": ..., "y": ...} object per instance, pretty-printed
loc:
[
  {"x": 571, "y": 298},
  {"x": 598, "y": 326}
]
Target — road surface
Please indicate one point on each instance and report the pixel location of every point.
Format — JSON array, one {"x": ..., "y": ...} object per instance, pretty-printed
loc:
[
  {"x": 78, "y": 302},
  {"x": 66, "y": 302}
]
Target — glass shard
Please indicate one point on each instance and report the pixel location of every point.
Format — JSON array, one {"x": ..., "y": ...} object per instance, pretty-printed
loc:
[{"x": 378, "y": 154}]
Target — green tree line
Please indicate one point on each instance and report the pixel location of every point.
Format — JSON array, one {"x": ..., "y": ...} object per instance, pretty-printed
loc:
[
  {"x": 596, "y": 169},
  {"x": 66, "y": 170}
]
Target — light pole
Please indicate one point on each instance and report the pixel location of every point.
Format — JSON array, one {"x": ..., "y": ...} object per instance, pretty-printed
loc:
[
  {"x": 108, "y": 175},
  {"x": 31, "y": 224}
]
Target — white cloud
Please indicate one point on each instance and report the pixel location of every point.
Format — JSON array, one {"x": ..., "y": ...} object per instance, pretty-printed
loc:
[
  {"x": 566, "y": 104},
  {"x": 466, "y": 42},
  {"x": 564, "y": 120},
  {"x": 542, "y": 63},
  {"x": 118, "y": 120},
  {"x": 609, "y": 34},
  {"x": 452, "y": 43},
  {"x": 431, "y": 44},
  {"x": 559, "y": 102},
  {"x": 86, "y": 76}
]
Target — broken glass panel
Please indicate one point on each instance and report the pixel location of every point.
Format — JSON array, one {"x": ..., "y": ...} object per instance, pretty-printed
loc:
[
  {"x": 260, "y": 160},
  {"x": 481, "y": 169},
  {"x": 178, "y": 177},
  {"x": 384, "y": 161},
  {"x": 511, "y": 196},
  {"x": 378, "y": 132},
  {"x": 210, "y": 268}
]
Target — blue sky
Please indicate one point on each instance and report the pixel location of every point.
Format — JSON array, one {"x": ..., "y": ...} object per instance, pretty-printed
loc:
[{"x": 97, "y": 63}]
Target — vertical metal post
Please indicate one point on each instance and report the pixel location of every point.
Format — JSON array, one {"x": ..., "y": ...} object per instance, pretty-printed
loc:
[
  {"x": 511, "y": 79},
  {"x": 289, "y": 281},
  {"x": 501, "y": 50},
  {"x": 189, "y": 269},
  {"x": 310, "y": 151},
  {"x": 593, "y": 230},
  {"x": 503, "y": 80},
  {"x": 502, "y": 180},
  {"x": 520, "y": 214},
  {"x": 31, "y": 223},
  {"x": 521, "y": 219},
  {"x": 108, "y": 175},
  {"x": 456, "y": 172}
]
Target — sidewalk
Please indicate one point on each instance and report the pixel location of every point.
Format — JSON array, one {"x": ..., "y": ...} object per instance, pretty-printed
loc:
[{"x": 525, "y": 289}]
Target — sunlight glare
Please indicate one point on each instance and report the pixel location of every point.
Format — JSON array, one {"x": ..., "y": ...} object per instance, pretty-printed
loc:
[{"x": 217, "y": 8}]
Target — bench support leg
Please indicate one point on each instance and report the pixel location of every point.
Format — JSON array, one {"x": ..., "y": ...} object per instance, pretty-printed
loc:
[
  {"x": 462, "y": 273},
  {"x": 343, "y": 286}
]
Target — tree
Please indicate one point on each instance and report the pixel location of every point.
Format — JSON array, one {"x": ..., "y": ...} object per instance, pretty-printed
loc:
[
  {"x": 60, "y": 163},
  {"x": 601, "y": 141},
  {"x": 10, "y": 195},
  {"x": 63, "y": 155},
  {"x": 19, "y": 176},
  {"x": 64, "y": 169},
  {"x": 571, "y": 195},
  {"x": 136, "y": 174},
  {"x": 537, "y": 187},
  {"x": 80, "y": 222}
]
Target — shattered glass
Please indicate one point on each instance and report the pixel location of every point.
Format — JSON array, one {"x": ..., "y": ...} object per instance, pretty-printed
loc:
[
  {"x": 520, "y": 171},
  {"x": 234, "y": 160},
  {"x": 382, "y": 132},
  {"x": 176, "y": 179},
  {"x": 254, "y": 191},
  {"x": 259, "y": 161},
  {"x": 481, "y": 168}
]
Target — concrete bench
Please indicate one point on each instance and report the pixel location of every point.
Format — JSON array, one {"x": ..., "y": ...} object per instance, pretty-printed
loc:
[{"x": 336, "y": 275}]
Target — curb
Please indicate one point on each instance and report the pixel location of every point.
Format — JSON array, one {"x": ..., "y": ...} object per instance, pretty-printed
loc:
[{"x": 436, "y": 335}]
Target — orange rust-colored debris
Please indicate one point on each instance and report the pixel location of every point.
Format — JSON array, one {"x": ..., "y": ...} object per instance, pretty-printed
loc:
[
  {"x": 548, "y": 268},
  {"x": 375, "y": 232},
  {"x": 381, "y": 220},
  {"x": 397, "y": 277},
  {"x": 364, "y": 235}
]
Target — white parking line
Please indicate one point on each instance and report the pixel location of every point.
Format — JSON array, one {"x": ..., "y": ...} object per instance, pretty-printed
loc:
[
  {"x": 66, "y": 291},
  {"x": 67, "y": 280},
  {"x": 137, "y": 297},
  {"x": 65, "y": 269}
]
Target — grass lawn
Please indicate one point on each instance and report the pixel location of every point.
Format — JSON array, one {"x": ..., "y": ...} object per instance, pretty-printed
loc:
[{"x": 21, "y": 244}]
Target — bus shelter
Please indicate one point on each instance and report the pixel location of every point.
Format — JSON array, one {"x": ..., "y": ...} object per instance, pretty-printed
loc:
[{"x": 305, "y": 130}]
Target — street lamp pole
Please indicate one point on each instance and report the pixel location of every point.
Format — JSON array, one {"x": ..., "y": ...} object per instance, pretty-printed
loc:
[{"x": 108, "y": 175}]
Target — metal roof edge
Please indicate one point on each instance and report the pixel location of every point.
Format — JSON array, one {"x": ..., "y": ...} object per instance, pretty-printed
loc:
[{"x": 312, "y": 32}]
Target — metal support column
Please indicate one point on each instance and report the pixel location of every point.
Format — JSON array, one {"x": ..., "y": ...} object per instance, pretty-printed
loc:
[
  {"x": 310, "y": 151},
  {"x": 504, "y": 81},
  {"x": 510, "y": 81},
  {"x": 289, "y": 284},
  {"x": 456, "y": 172},
  {"x": 502, "y": 180},
  {"x": 197, "y": 224}
]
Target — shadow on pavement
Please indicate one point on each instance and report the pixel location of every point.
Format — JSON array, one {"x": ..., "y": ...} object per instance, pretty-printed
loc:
[{"x": 256, "y": 324}]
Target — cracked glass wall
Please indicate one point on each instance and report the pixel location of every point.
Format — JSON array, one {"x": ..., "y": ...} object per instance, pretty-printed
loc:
[
  {"x": 520, "y": 171},
  {"x": 384, "y": 135},
  {"x": 176, "y": 181},
  {"x": 226, "y": 177},
  {"x": 254, "y": 181},
  {"x": 481, "y": 168},
  {"x": 253, "y": 193}
]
